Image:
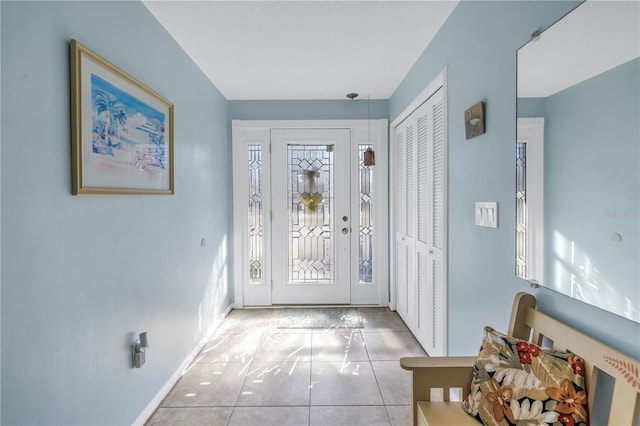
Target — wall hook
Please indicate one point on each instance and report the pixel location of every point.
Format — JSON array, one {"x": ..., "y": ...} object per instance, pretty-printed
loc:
[{"x": 139, "y": 350}]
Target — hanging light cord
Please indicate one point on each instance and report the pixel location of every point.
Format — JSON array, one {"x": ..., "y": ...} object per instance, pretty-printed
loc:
[{"x": 353, "y": 96}]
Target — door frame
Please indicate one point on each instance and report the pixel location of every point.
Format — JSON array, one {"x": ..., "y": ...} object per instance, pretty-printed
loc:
[{"x": 258, "y": 132}]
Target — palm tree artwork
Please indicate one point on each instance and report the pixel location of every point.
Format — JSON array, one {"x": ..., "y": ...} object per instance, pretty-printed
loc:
[
  {"x": 126, "y": 129},
  {"x": 120, "y": 119},
  {"x": 107, "y": 106}
]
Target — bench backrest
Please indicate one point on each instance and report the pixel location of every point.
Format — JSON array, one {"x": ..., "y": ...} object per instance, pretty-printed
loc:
[{"x": 527, "y": 323}]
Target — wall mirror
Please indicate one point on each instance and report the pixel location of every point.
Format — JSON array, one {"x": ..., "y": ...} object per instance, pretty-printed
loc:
[{"x": 578, "y": 155}]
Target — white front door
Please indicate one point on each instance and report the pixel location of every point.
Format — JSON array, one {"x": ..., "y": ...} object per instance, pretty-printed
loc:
[
  {"x": 312, "y": 224},
  {"x": 310, "y": 212}
]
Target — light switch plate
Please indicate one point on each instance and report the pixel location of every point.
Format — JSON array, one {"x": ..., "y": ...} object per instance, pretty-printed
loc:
[{"x": 487, "y": 214}]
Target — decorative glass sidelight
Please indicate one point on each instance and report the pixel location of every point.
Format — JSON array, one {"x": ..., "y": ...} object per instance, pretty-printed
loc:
[
  {"x": 521, "y": 209},
  {"x": 256, "y": 224},
  {"x": 310, "y": 202},
  {"x": 365, "y": 186}
]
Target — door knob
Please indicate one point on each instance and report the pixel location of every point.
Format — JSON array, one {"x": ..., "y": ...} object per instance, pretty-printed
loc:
[{"x": 345, "y": 230}]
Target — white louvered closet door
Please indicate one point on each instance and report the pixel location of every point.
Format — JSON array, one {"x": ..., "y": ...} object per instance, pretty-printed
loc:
[
  {"x": 430, "y": 214},
  {"x": 420, "y": 223},
  {"x": 402, "y": 255},
  {"x": 405, "y": 185}
]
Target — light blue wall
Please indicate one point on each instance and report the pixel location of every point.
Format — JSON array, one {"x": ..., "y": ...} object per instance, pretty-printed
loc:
[
  {"x": 309, "y": 110},
  {"x": 81, "y": 275},
  {"x": 531, "y": 107},
  {"x": 592, "y": 186},
  {"x": 478, "y": 43}
]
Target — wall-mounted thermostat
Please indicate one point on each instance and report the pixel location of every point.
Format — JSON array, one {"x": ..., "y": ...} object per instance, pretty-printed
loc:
[{"x": 487, "y": 214}]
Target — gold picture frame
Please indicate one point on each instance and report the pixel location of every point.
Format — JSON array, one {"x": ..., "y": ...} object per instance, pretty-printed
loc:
[{"x": 121, "y": 131}]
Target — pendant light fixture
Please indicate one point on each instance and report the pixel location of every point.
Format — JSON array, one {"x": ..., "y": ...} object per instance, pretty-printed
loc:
[{"x": 369, "y": 155}]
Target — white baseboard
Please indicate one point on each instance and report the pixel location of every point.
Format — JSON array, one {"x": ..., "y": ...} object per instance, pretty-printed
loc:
[{"x": 164, "y": 391}]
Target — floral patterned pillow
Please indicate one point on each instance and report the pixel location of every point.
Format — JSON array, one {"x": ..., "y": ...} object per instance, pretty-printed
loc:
[{"x": 515, "y": 382}]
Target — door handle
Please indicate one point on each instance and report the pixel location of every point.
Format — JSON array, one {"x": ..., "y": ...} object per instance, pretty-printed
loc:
[{"x": 345, "y": 230}]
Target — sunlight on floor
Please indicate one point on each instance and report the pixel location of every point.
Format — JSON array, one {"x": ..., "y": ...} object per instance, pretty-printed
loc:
[{"x": 254, "y": 373}]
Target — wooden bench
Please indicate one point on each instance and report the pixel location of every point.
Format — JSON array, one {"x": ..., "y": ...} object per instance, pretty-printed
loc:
[{"x": 434, "y": 377}]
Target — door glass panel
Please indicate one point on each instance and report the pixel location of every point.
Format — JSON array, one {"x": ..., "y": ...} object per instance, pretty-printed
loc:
[
  {"x": 366, "y": 217},
  {"x": 310, "y": 204},
  {"x": 256, "y": 228}
]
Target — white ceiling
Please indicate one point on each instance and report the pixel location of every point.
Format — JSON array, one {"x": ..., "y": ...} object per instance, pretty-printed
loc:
[
  {"x": 303, "y": 49},
  {"x": 593, "y": 38}
]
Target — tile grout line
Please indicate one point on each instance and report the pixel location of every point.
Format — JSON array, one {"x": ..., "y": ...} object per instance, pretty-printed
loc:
[
  {"x": 246, "y": 375},
  {"x": 384, "y": 403},
  {"x": 376, "y": 378}
]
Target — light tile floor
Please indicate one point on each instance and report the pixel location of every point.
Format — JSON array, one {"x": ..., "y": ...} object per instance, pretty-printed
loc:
[{"x": 252, "y": 373}]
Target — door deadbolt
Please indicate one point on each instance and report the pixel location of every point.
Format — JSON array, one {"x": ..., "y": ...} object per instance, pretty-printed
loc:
[{"x": 345, "y": 218}]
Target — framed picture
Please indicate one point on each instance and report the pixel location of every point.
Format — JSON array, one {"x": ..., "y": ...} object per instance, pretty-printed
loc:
[
  {"x": 474, "y": 120},
  {"x": 121, "y": 131}
]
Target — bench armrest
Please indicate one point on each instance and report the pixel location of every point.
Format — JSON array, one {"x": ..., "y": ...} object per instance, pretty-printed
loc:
[
  {"x": 439, "y": 373},
  {"x": 411, "y": 363}
]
